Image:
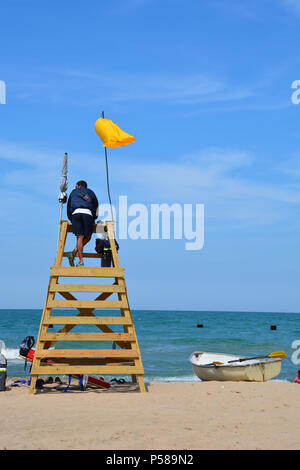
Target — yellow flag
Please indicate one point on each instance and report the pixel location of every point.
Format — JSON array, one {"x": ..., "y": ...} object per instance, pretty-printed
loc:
[{"x": 111, "y": 135}]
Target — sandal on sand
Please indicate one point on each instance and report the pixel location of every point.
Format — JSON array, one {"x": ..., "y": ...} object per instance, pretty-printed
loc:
[
  {"x": 39, "y": 383},
  {"x": 70, "y": 257},
  {"x": 117, "y": 381}
]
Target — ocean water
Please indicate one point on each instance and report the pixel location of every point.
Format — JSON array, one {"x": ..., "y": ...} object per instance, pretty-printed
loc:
[{"x": 168, "y": 338}]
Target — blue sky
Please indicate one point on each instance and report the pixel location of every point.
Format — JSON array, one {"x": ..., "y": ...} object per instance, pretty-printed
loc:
[{"x": 205, "y": 88}]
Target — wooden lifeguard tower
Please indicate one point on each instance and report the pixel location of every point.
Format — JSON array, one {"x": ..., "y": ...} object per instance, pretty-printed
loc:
[{"x": 125, "y": 359}]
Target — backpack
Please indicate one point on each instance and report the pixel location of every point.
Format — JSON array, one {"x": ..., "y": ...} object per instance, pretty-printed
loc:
[
  {"x": 25, "y": 347},
  {"x": 103, "y": 248}
]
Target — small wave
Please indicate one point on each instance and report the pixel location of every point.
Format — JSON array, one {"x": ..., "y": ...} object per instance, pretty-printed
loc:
[
  {"x": 10, "y": 354},
  {"x": 280, "y": 380},
  {"x": 190, "y": 378},
  {"x": 194, "y": 379}
]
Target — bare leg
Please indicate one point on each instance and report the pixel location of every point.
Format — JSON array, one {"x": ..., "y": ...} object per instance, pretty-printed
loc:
[
  {"x": 79, "y": 246},
  {"x": 81, "y": 242}
]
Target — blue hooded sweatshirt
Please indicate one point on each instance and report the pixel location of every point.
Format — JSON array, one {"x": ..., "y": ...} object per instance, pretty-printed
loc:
[{"x": 82, "y": 198}]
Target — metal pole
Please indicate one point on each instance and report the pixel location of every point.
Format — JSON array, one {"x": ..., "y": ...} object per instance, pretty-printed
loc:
[
  {"x": 107, "y": 179},
  {"x": 60, "y": 216}
]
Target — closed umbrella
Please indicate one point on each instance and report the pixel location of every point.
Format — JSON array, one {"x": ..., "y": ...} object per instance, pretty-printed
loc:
[{"x": 62, "y": 198}]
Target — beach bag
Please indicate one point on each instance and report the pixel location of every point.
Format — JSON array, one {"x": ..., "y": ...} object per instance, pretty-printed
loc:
[
  {"x": 99, "y": 247},
  {"x": 103, "y": 245},
  {"x": 25, "y": 347},
  {"x": 107, "y": 255},
  {"x": 103, "y": 248}
]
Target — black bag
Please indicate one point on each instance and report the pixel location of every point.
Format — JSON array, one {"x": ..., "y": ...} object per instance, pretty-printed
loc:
[
  {"x": 26, "y": 345},
  {"x": 106, "y": 258},
  {"x": 99, "y": 247},
  {"x": 103, "y": 244}
]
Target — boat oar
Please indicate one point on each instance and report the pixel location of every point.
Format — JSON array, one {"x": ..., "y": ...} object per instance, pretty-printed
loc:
[
  {"x": 215, "y": 363},
  {"x": 280, "y": 354}
]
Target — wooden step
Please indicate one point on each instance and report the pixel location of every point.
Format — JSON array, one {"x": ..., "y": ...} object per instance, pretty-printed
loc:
[
  {"x": 86, "y": 255},
  {"x": 86, "y": 353},
  {"x": 87, "y": 304},
  {"x": 82, "y": 271},
  {"x": 87, "y": 288},
  {"x": 87, "y": 320},
  {"x": 87, "y": 337},
  {"x": 57, "y": 369},
  {"x": 92, "y": 361}
]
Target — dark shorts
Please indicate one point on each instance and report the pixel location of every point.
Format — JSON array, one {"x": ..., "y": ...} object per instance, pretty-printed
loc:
[{"x": 82, "y": 224}]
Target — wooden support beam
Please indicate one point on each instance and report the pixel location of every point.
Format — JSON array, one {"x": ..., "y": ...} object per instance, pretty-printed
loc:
[
  {"x": 87, "y": 337},
  {"x": 86, "y": 320},
  {"x": 59, "y": 369},
  {"x": 87, "y": 353},
  {"x": 82, "y": 271},
  {"x": 89, "y": 312},
  {"x": 129, "y": 328},
  {"x": 125, "y": 361},
  {"x": 86, "y": 288},
  {"x": 92, "y": 361},
  {"x": 86, "y": 255},
  {"x": 86, "y": 304}
]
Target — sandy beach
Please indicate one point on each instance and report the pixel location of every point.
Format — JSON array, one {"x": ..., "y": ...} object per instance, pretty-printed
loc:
[{"x": 171, "y": 416}]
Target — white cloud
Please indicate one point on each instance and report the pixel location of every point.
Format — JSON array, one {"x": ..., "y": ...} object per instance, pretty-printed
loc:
[
  {"x": 293, "y": 5},
  {"x": 86, "y": 88},
  {"x": 29, "y": 168},
  {"x": 221, "y": 179}
]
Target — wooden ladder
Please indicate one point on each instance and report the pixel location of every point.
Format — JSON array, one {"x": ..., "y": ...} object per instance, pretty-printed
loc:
[{"x": 126, "y": 360}]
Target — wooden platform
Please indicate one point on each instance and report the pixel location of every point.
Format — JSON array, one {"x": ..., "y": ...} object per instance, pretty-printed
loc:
[{"x": 122, "y": 356}]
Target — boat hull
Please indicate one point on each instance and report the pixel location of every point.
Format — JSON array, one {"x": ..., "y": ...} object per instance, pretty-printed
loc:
[{"x": 255, "y": 370}]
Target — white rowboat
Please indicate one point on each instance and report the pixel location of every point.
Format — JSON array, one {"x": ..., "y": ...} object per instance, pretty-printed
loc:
[{"x": 253, "y": 370}]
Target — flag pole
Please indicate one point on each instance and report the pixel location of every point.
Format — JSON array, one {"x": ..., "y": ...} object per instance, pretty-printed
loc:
[{"x": 107, "y": 178}]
